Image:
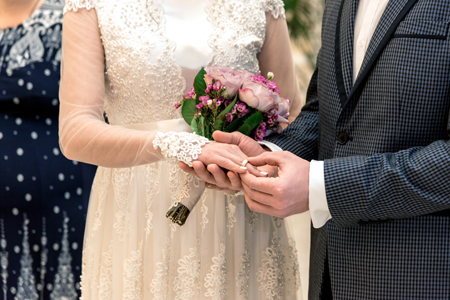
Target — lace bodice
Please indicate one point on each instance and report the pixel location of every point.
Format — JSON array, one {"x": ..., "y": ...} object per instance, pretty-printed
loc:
[{"x": 143, "y": 81}]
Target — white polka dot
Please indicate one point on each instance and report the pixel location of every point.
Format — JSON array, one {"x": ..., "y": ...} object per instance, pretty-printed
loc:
[
  {"x": 13, "y": 290},
  {"x": 4, "y": 92},
  {"x": 36, "y": 248},
  {"x": 20, "y": 82},
  {"x": 39, "y": 286},
  {"x": 20, "y": 178},
  {"x": 48, "y": 121},
  {"x": 51, "y": 187},
  {"x": 56, "y": 209},
  {"x": 55, "y": 102},
  {"x": 1, "y": 135},
  {"x": 33, "y": 231},
  {"x": 61, "y": 176},
  {"x": 75, "y": 162},
  {"x": 15, "y": 132},
  {"x": 6, "y": 117},
  {"x": 80, "y": 207},
  {"x": 5, "y": 157},
  {"x": 56, "y": 151},
  {"x": 44, "y": 241},
  {"x": 79, "y": 191},
  {"x": 7, "y": 188},
  {"x": 47, "y": 132},
  {"x": 74, "y": 246},
  {"x": 19, "y": 151},
  {"x": 34, "y": 135},
  {"x": 33, "y": 178},
  {"x": 29, "y": 86},
  {"x": 44, "y": 92},
  {"x": 28, "y": 197},
  {"x": 55, "y": 246},
  {"x": 49, "y": 286},
  {"x": 45, "y": 157},
  {"x": 29, "y": 73},
  {"x": 17, "y": 249},
  {"x": 67, "y": 195},
  {"x": 72, "y": 177},
  {"x": 18, "y": 121},
  {"x": 72, "y": 229},
  {"x": 16, "y": 100},
  {"x": 15, "y": 211},
  {"x": 37, "y": 117},
  {"x": 3, "y": 243},
  {"x": 47, "y": 72}
]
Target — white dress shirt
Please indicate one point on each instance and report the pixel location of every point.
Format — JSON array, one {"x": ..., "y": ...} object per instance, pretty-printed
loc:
[{"x": 367, "y": 18}]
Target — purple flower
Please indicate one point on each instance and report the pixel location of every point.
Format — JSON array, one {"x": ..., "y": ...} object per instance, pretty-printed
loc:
[
  {"x": 229, "y": 117},
  {"x": 216, "y": 85}
]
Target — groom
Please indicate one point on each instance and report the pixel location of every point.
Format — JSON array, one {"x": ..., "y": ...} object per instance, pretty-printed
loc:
[{"x": 376, "y": 129}]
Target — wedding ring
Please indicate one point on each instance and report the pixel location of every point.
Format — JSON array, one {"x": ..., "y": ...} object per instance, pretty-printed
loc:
[{"x": 244, "y": 163}]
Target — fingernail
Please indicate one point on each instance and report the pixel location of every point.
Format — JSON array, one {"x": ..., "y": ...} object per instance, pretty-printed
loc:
[
  {"x": 264, "y": 173},
  {"x": 243, "y": 168}
]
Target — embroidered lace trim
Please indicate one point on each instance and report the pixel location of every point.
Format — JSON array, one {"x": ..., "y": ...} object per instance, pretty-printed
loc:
[
  {"x": 179, "y": 146},
  {"x": 75, "y": 5}
]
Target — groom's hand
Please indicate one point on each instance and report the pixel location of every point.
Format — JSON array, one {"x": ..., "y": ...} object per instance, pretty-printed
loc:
[
  {"x": 283, "y": 196},
  {"x": 213, "y": 174}
]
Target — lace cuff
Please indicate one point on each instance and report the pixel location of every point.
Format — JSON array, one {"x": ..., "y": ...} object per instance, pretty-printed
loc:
[
  {"x": 75, "y": 5},
  {"x": 179, "y": 146},
  {"x": 276, "y": 7}
]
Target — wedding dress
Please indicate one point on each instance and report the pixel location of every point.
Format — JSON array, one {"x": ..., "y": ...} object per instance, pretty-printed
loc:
[{"x": 133, "y": 59}]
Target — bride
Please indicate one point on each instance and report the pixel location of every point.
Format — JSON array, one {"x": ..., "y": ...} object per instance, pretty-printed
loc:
[{"x": 131, "y": 60}]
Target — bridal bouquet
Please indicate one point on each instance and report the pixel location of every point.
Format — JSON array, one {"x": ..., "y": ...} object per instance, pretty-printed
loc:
[{"x": 229, "y": 100}]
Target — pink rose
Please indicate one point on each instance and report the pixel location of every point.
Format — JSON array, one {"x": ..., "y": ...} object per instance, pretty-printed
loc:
[
  {"x": 227, "y": 77},
  {"x": 263, "y": 98}
]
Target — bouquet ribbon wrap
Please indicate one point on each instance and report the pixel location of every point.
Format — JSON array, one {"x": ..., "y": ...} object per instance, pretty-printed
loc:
[{"x": 193, "y": 188}]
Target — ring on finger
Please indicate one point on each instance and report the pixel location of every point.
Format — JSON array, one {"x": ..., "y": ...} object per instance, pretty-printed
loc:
[{"x": 244, "y": 163}]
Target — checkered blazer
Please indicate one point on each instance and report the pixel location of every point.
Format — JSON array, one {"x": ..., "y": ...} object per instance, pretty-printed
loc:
[{"x": 385, "y": 143}]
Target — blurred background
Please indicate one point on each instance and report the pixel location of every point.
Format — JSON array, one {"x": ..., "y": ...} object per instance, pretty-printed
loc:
[{"x": 304, "y": 18}]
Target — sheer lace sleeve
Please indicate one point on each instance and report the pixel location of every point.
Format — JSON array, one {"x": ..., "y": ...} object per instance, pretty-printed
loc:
[
  {"x": 276, "y": 57},
  {"x": 75, "y": 5},
  {"x": 276, "y": 8},
  {"x": 84, "y": 135}
]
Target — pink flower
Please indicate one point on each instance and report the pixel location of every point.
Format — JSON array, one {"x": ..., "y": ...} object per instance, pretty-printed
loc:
[
  {"x": 231, "y": 79},
  {"x": 263, "y": 98}
]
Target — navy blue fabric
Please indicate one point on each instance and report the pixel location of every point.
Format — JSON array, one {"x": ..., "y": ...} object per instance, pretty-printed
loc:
[
  {"x": 39, "y": 187},
  {"x": 388, "y": 182}
]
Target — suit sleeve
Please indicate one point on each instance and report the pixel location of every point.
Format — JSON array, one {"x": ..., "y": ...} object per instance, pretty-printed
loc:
[
  {"x": 301, "y": 137},
  {"x": 389, "y": 186}
]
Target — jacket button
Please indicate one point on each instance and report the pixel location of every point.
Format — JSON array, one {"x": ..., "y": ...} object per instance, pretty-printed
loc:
[{"x": 342, "y": 138}]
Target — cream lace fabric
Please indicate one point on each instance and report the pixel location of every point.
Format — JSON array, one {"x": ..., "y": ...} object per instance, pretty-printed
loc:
[{"x": 118, "y": 59}]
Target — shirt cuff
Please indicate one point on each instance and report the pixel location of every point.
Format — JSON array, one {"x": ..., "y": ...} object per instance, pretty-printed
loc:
[
  {"x": 270, "y": 145},
  {"x": 318, "y": 206}
]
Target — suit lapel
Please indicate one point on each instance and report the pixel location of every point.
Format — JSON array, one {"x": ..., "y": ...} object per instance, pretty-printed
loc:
[
  {"x": 345, "y": 30},
  {"x": 394, "y": 13}
]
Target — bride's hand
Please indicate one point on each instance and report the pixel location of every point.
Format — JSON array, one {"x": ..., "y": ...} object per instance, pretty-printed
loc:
[{"x": 213, "y": 173}]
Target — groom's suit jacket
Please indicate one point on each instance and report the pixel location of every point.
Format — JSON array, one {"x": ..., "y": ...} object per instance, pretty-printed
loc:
[{"x": 385, "y": 143}]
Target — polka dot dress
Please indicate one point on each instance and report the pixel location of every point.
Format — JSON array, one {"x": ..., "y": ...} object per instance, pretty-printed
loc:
[{"x": 43, "y": 195}]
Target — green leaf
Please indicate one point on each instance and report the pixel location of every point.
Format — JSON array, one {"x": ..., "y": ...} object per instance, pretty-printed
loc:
[
  {"x": 234, "y": 125},
  {"x": 218, "y": 124},
  {"x": 201, "y": 126},
  {"x": 194, "y": 125},
  {"x": 189, "y": 110},
  {"x": 251, "y": 123},
  {"x": 200, "y": 84}
]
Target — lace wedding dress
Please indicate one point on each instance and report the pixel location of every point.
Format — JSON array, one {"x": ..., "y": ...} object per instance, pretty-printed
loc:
[{"x": 132, "y": 59}]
